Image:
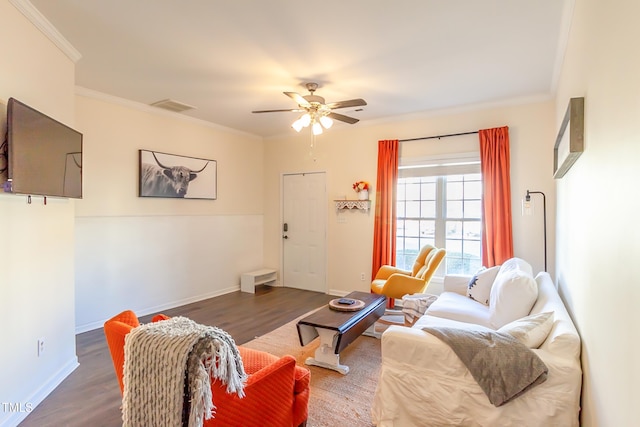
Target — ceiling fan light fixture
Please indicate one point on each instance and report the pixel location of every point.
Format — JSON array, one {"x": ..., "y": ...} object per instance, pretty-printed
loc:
[
  {"x": 297, "y": 125},
  {"x": 302, "y": 122},
  {"x": 326, "y": 122},
  {"x": 316, "y": 111}
]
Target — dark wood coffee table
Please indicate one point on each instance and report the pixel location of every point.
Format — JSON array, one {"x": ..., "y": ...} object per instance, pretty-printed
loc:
[{"x": 338, "y": 329}]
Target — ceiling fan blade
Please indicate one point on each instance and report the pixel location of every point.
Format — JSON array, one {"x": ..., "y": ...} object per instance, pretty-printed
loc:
[
  {"x": 292, "y": 110},
  {"x": 298, "y": 98},
  {"x": 343, "y": 118},
  {"x": 350, "y": 103}
]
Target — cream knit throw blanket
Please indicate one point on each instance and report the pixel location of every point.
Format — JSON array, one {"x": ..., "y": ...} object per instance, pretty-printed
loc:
[{"x": 157, "y": 358}]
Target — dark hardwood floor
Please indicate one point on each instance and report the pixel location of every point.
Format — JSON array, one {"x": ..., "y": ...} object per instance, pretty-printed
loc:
[{"x": 90, "y": 396}]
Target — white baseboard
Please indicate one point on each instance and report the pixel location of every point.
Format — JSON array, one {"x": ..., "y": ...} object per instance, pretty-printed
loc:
[
  {"x": 40, "y": 394},
  {"x": 149, "y": 310}
]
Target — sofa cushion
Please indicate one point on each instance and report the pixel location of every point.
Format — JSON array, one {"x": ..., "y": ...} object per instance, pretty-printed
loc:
[
  {"x": 563, "y": 338},
  {"x": 531, "y": 330},
  {"x": 451, "y": 305},
  {"x": 513, "y": 293},
  {"x": 479, "y": 287}
]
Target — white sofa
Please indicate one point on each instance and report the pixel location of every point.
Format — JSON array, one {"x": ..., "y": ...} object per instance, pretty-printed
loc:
[{"x": 423, "y": 383}]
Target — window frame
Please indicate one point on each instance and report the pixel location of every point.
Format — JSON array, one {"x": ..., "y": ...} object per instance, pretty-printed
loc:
[{"x": 438, "y": 169}]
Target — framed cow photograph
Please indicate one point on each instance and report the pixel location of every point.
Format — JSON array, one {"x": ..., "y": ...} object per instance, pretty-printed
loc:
[{"x": 173, "y": 176}]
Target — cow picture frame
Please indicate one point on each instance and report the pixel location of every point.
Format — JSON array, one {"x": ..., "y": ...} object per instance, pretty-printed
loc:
[{"x": 174, "y": 176}]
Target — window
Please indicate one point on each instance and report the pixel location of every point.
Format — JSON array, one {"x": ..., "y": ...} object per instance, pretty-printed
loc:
[{"x": 444, "y": 211}]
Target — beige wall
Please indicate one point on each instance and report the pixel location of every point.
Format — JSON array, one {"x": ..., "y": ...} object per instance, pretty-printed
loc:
[
  {"x": 598, "y": 243},
  {"x": 148, "y": 254},
  {"x": 36, "y": 241},
  {"x": 349, "y": 154},
  {"x": 114, "y": 130}
]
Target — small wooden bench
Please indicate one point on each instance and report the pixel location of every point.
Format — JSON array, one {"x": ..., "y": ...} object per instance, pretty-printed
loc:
[{"x": 265, "y": 276}]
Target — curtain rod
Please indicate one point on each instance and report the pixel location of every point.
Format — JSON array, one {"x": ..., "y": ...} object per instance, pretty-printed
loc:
[{"x": 437, "y": 136}]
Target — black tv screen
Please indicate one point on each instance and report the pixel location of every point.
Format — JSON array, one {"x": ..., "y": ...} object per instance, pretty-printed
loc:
[{"x": 45, "y": 156}]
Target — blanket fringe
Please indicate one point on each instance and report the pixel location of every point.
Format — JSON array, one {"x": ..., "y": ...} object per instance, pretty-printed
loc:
[{"x": 157, "y": 358}]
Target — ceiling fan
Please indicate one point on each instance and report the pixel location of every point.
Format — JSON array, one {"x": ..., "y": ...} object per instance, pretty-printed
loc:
[{"x": 317, "y": 113}]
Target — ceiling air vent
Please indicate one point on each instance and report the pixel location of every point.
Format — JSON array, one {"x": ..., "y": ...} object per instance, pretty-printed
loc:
[{"x": 171, "y": 105}]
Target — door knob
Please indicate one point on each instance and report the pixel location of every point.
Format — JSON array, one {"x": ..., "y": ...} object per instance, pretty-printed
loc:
[{"x": 285, "y": 237}]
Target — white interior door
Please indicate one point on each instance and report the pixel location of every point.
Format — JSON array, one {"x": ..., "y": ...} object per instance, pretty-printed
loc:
[{"x": 304, "y": 239}]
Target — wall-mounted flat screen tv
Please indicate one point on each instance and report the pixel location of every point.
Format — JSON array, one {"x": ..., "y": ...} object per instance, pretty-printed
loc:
[{"x": 45, "y": 156}]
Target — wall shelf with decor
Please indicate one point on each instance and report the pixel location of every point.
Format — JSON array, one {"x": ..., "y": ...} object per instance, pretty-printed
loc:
[{"x": 364, "y": 205}]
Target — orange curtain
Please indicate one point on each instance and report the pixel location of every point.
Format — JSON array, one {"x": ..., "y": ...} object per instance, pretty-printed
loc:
[
  {"x": 384, "y": 232},
  {"x": 497, "y": 237}
]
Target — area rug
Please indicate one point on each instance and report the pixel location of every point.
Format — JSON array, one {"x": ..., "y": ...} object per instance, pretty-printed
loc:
[{"x": 336, "y": 399}]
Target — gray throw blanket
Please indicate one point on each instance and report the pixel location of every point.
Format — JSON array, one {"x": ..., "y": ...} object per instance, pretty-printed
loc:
[
  {"x": 503, "y": 367},
  {"x": 159, "y": 356}
]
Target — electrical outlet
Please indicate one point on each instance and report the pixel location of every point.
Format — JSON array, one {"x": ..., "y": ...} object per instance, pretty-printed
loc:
[
  {"x": 40, "y": 347},
  {"x": 362, "y": 276}
]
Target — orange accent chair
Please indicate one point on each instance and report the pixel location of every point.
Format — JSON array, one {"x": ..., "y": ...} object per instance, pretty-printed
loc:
[
  {"x": 395, "y": 283},
  {"x": 276, "y": 392}
]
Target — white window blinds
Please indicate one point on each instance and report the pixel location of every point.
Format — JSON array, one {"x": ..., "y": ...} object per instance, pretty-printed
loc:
[{"x": 442, "y": 165}]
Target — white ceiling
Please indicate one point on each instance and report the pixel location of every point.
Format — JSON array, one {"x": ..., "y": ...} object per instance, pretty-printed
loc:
[{"x": 229, "y": 57}]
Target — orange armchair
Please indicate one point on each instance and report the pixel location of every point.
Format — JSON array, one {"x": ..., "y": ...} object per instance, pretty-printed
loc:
[
  {"x": 276, "y": 392},
  {"x": 394, "y": 282}
]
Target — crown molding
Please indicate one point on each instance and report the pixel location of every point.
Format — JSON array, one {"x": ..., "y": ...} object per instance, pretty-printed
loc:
[
  {"x": 135, "y": 105},
  {"x": 46, "y": 28}
]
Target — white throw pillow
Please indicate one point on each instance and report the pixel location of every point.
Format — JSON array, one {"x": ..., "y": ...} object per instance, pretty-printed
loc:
[
  {"x": 531, "y": 330},
  {"x": 516, "y": 264},
  {"x": 513, "y": 293},
  {"x": 479, "y": 287}
]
